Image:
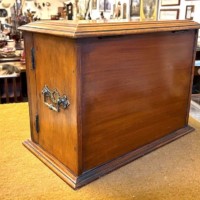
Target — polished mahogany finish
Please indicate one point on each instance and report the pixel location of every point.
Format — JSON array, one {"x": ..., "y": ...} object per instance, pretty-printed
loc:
[{"x": 128, "y": 84}]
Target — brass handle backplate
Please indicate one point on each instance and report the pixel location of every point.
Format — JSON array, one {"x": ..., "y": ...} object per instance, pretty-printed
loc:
[{"x": 53, "y": 100}]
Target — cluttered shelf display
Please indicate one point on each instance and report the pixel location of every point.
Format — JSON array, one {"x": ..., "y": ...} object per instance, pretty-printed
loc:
[
  {"x": 11, "y": 39},
  {"x": 12, "y": 62}
]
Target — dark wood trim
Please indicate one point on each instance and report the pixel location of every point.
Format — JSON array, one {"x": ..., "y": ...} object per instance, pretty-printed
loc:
[
  {"x": 186, "y": 10},
  {"x": 76, "y": 182},
  {"x": 15, "y": 89},
  {"x": 6, "y": 90}
]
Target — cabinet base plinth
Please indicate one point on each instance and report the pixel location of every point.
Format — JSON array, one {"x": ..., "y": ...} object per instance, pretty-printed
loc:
[{"x": 88, "y": 176}]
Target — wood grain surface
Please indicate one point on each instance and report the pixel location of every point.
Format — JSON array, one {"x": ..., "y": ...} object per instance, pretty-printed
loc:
[
  {"x": 129, "y": 91},
  {"x": 56, "y": 68},
  {"x": 80, "y": 29},
  {"x": 135, "y": 90}
]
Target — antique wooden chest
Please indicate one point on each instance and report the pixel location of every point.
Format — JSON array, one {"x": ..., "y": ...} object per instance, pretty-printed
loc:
[{"x": 102, "y": 94}]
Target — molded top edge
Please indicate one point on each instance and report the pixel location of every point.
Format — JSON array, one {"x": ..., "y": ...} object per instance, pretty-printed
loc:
[{"x": 84, "y": 28}]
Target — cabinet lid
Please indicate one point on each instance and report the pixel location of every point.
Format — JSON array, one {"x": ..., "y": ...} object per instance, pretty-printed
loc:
[{"x": 83, "y": 28}]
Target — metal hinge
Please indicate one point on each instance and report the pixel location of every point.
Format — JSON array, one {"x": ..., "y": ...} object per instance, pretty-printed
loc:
[
  {"x": 33, "y": 58},
  {"x": 37, "y": 123}
]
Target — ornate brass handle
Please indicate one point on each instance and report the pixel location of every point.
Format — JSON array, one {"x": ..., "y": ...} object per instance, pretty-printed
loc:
[{"x": 53, "y": 99}]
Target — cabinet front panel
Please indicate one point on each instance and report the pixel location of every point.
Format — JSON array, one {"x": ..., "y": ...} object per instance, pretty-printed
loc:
[
  {"x": 135, "y": 89},
  {"x": 55, "y": 62}
]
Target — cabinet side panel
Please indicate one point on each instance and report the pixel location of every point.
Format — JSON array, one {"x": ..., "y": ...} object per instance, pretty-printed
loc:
[
  {"x": 31, "y": 84},
  {"x": 135, "y": 90},
  {"x": 56, "y": 68}
]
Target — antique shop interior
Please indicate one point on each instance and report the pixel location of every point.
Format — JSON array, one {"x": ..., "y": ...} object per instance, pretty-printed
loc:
[{"x": 100, "y": 99}]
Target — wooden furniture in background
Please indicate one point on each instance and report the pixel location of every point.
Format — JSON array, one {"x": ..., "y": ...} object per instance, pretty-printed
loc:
[
  {"x": 13, "y": 87},
  {"x": 197, "y": 53},
  {"x": 196, "y": 80},
  {"x": 10, "y": 88},
  {"x": 103, "y": 94}
]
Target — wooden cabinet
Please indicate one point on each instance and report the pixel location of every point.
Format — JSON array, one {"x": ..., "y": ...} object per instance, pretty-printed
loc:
[
  {"x": 13, "y": 86},
  {"x": 103, "y": 94},
  {"x": 10, "y": 88}
]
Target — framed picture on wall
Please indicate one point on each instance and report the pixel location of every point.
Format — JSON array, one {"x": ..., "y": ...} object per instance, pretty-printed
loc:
[
  {"x": 94, "y": 4},
  {"x": 148, "y": 9},
  {"x": 189, "y": 12},
  {"x": 169, "y": 14},
  {"x": 124, "y": 10},
  {"x": 101, "y": 5},
  {"x": 135, "y": 8},
  {"x": 105, "y": 5},
  {"x": 170, "y": 2}
]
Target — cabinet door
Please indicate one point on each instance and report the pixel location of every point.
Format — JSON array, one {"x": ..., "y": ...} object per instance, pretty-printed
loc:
[
  {"x": 31, "y": 83},
  {"x": 56, "y": 76}
]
